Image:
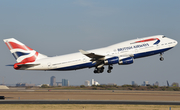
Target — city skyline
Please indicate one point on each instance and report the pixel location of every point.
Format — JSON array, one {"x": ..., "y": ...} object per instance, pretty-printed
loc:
[{"x": 65, "y": 82}]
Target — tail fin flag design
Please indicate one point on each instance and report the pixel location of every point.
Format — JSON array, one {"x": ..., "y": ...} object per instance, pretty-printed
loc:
[{"x": 22, "y": 53}]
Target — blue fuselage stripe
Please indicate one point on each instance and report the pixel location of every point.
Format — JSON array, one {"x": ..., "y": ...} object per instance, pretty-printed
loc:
[
  {"x": 145, "y": 54},
  {"x": 90, "y": 64},
  {"x": 74, "y": 67}
]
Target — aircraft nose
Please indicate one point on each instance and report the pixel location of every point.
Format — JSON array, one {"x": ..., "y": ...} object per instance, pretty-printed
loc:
[{"x": 176, "y": 42}]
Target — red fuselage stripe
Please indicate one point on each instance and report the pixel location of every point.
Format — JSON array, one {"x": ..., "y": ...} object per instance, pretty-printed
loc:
[{"x": 147, "y": 40}]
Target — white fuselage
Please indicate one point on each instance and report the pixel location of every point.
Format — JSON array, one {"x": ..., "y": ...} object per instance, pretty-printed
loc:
[{"x": 122, "y": 50}]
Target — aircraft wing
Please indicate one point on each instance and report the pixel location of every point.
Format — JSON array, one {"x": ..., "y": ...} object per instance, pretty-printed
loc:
[{"x": 92, "y": 55}]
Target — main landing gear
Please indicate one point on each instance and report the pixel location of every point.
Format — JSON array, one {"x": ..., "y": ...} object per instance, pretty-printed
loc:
[
  {"x": 99, "y": 70},
  {"x": 161, "y": 58},
  {"x": 109, "y": 68}
]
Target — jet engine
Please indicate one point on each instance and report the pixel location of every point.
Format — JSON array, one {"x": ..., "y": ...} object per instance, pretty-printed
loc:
[
  {"x": 110, "y": 61},
  {"x": 126, "y": 61}
]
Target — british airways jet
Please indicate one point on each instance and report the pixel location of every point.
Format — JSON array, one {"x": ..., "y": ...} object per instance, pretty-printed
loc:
[{"x": 123, "y": 53}]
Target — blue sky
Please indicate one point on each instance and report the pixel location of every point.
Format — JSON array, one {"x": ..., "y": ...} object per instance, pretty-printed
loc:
[{"x": 61, "y": 27}]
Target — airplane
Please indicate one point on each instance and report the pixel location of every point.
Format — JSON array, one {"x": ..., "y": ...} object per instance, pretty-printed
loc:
[{"x": 123, "y": 53}]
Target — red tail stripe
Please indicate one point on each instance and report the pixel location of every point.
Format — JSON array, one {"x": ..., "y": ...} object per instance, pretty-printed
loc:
[
  {"x": 26, "y": 60},
  {"x": 30, "y": 59},
  {"x": 17, "y": 46}
]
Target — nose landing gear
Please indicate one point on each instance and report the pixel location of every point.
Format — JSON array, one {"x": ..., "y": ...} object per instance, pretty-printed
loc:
[
  {"x": 109, "y": 68},
  {"x": 161, "y": 58}
]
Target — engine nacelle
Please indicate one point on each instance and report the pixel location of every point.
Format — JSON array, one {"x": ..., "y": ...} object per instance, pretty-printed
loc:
[
  {"x": 126, "y": 61},
  {"x": 110, "y": 61}
]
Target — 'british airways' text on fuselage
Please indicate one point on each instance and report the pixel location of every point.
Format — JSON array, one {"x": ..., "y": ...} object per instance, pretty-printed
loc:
[{"x": 132, "y": 47}]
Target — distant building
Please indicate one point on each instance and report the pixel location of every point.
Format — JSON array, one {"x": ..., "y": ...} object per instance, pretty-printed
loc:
[
  {"x": 96, "y": 83},
  {"x": 145, "y": 83},
  {"x": 59, "y": 83},
  {"x": 39, "y": 85},
  {"x": 174, "y": 84},
  {"x": 156, "y": 83},
  {"x": 65, "y": 82},
  {"x": 87, "y": 83},
  {"x": 167, "y": 83},
  {"x": 134, "y": 83},
  {"x": 24, "y": 85},
  {"x": 92, "y": 81},
  {"x": 53, "y": 81}
]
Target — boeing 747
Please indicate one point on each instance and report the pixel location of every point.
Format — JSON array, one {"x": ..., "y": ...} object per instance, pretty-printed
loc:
[{"x": 123, "y": 53}]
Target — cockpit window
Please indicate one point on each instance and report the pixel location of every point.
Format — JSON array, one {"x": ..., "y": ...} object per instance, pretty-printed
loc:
[{"x": 163, "y": 36}]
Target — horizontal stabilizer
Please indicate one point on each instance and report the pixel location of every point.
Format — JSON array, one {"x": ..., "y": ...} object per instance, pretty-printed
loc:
[
  {"x": 16, "y": 65},
  {"x": 10, "y": 65},
  {"x": 27, "y": 65}
]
